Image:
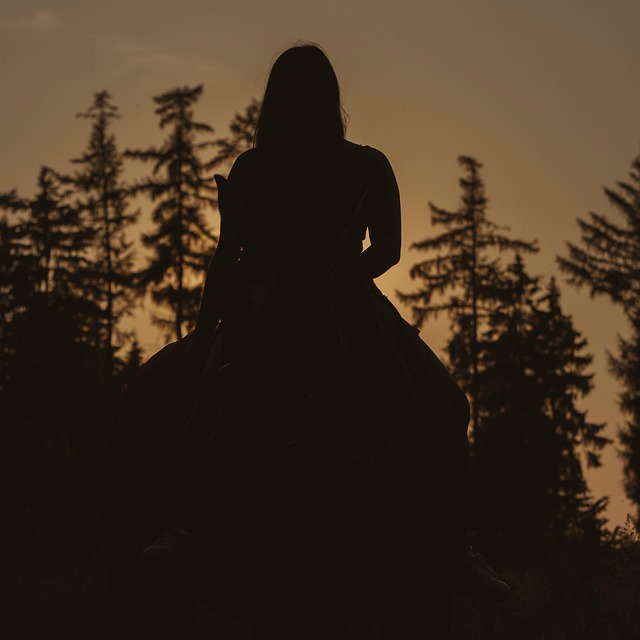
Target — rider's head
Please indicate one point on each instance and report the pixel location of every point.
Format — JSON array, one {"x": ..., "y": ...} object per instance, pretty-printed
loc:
[{"x": 301, "y": 102}]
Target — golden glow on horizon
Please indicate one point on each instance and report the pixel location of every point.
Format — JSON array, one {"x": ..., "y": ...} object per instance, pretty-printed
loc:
[{"x": 538, "y": 92}]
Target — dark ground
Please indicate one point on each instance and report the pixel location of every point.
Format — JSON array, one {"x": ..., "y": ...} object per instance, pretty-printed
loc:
[{"x": 52, "y": 580}]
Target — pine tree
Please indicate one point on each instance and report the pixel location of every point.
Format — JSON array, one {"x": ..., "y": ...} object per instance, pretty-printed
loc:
[
  {"x": 60, "y": 242},
  {"x": 462, "y": 274},
  {"x": 14, "y": 259},
  {"x": 510, "y": 436},
  {"x": 182, "y": 241},
  {"x": 607, "y": 262},
  {"x": 626, "y": 369},
  {"x": 49, "y": 309},
  {"x": 104, "y": 203},
  {"x": 532, "y": 434},
  {"x": 562, "y": 368},
  {"x": 241, "y": 136},
  {"x": 129, "y": 364}
]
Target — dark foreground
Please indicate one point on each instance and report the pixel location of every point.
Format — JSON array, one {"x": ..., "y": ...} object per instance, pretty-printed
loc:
[{"x": 52, "y": 575}]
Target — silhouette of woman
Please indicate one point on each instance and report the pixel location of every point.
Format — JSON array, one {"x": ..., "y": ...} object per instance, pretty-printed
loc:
[{"x": 320, "y": 410}]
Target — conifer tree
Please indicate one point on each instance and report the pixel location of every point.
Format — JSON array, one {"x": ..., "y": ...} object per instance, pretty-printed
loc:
[
  {"x": 510, "y": 488},
  {"x": 129, "y": 363},
  {"x": 461, "y": 275},
  {"x": 626, "y": 368},
  {"x": 59, "y": 243},
  {"x": 532, "y": 435},
  {"x": 12, "y": 258},
  {"x": 104, "y": 204},
  {"x": 50, "y": 308},
  {"x": 13, "y": 285},
  {"x": 181, "y": 243},
  {"x": 562, "y": 368},
  {"x": 241, "y": 136},
  {"x": 607, "y": 262},
  {"x": 8, "y": 267}
]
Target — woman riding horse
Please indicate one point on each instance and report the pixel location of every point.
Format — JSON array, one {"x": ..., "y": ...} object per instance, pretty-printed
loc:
[{"x": 329, "y": 438}]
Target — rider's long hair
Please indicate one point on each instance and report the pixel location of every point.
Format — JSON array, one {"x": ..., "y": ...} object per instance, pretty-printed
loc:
[
  {"x": 301, "y": 78},
  {"x": 302, "y": 123}
]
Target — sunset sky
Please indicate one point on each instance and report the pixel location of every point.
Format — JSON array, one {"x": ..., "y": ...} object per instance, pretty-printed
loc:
[{"x": 545, "y": 94}]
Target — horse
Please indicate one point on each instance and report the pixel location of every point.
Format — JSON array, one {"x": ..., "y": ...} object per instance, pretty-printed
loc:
[{"x": 331, "y": 479}]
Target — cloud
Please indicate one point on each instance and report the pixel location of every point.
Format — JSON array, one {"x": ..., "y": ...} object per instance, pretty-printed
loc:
[
  {"x": 135, "y": 54},
  {"x": 142, "y": 54},
  {"x": 36, "y": 21}
]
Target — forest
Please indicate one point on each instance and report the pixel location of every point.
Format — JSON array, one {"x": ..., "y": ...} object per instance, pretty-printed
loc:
[{"x": 75, "y": 269}]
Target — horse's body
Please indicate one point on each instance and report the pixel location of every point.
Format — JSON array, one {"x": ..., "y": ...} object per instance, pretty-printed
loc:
[{"x": 335, "y": 467}]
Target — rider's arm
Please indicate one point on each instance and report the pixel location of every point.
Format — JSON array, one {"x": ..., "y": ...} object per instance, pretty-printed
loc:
[
  {"x": 383, "y": 217},
  {"x": 219, "y": 274},
  {"x": 222, "y": 263}
]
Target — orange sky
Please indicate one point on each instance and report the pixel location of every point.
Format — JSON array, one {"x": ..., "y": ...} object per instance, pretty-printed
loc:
[{"x": 545, "y": 94}]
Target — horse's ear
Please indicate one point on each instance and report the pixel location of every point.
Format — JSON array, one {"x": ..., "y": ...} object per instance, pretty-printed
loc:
[{"x": 231, "y": 208}]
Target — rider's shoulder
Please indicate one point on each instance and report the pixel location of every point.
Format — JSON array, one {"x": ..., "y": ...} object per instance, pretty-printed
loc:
[{"x": 371, "y": 156}]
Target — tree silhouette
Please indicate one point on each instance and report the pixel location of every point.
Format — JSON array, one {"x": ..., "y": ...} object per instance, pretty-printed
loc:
[
  {"x": 104, "y": 205},
  {"x": 531, "y": 433},
  {"x": 562, "y": 371},
  {"x": 461, "y": 276},
  {"x": 182, "y": 242},
  {"x": 607, "y": 262},
  {"x": 50, "y": 309},
  {"x": 241, "y": 136},
  {"x": 13, "y": 284}
]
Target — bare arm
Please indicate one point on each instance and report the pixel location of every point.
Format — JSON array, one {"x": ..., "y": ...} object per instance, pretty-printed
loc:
[
  {"x": 219, "y": 274},
  {"x": 221, "y": 267},
  {"x": 383, "y": 217}
]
